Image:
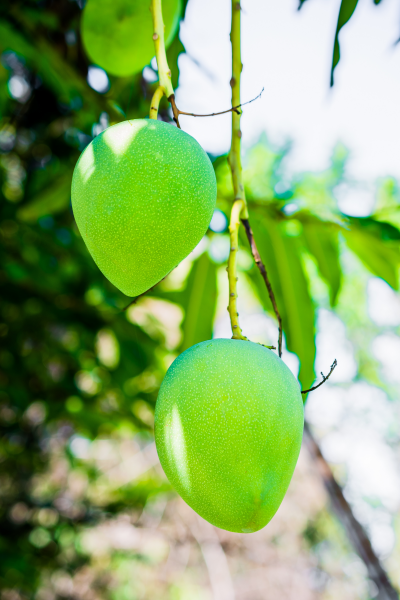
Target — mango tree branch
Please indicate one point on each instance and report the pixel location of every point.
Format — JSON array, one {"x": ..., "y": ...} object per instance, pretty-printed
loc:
[
  {"x": 264, "y": 274},
  {"x": 234, "y": 157},
  {"x": 355, "y": 531}
]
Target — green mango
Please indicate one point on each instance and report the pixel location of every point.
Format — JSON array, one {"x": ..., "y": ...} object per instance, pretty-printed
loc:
[
  {"x": 118, "y": 34},
  {"x": 228, "y": 427},
  {"x": 143, "y": 194}
]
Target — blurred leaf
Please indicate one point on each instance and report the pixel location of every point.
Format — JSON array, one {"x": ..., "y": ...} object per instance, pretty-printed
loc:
[
  {"x": 322, "y": 241},
  {"x": 117, "y": 108},
  {"x": 388, "y": 206},
  {"x": 280, "y": 253},
  {"x": 381, "y": 229},
  {"x": 47, "y": 63},
  {"x": 346, "y": 11},
  {"x": 313, "y": 192},
  {"x": 199, "y": 302},
  {"x": 52, "y": 200},
  {"x": 381, "y": 258}
]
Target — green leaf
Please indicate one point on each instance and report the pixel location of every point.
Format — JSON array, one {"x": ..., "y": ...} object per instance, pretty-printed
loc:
[
  {"x": 280, "y": 253},
  {"x": 57, "y": 74},
  {"x": 53, "y": 199},
  {"x": 346, "y": 11},
  {"x": 388, "y": 205},
  {"x": 322, "y": 241},
  {"x": 380, "y": 257},
  {"x": 199, "y": 302}
]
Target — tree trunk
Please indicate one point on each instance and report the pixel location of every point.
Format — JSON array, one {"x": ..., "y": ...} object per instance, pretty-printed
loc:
[{"x": 354, "y": 529}]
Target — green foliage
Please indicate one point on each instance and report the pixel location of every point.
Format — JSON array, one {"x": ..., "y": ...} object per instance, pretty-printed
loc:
[
  {"x": 79, "y": 376},
  {"x": 302, "y": 219},
  {"x": 52, "y": 200},
  {"x": 72, "y": 365},
  {"x": 198, "y": 302},
  {"x": 381, "y": 257},
  {"x": 346, "y": 11},
  {"x": 280, "y": 249},
  {"x": 322, "y": 241}
]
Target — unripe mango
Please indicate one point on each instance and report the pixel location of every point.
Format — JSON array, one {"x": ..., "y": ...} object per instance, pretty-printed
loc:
[
  {"x": 143, "y": 194},
  {"x": 118, "y": 34},
  {"x": 228, "y": 426}
]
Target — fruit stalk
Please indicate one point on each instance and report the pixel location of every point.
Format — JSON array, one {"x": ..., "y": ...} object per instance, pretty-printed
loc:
[
  {"x": 234, "y": 225},
  {"x": 234, "y": 157},
  {"x": 239, "y": 208},
  {"x": 155, "y": 102},
  {"x": 164, "y": 73}
]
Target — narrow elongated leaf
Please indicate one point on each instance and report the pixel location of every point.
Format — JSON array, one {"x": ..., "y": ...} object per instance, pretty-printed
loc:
[
  {"x": 322, "y": 241},
  {"x": 53, "y": 199},
  {"x": 346, "y": 11},
  {"x": 381, "y": 258},
  {"x": 199, "y": 302},
  {"x": 281, "y": 256}
]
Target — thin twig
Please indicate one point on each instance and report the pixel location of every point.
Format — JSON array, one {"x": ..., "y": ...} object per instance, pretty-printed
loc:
[
  {"x": 264, "y": 274},
  {"x": 223, "y": 112},
  {"x": 176, "y": 112},
  {"x": 354, "y": 529},
  {"x": 333, "y": 366}
]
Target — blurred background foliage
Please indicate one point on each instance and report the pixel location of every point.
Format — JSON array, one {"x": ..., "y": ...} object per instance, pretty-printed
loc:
[{"x": 85, "y": 509}]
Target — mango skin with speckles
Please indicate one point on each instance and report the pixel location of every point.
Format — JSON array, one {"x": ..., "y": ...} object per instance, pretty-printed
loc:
[
  {"x": 143, "y": 194},
  {"x": 228, "y": 427},
  {"x": 118, "y": 34}
]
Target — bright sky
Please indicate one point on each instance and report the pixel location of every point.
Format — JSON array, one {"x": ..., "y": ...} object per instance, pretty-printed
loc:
[{"x": 289, "y": 54}]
